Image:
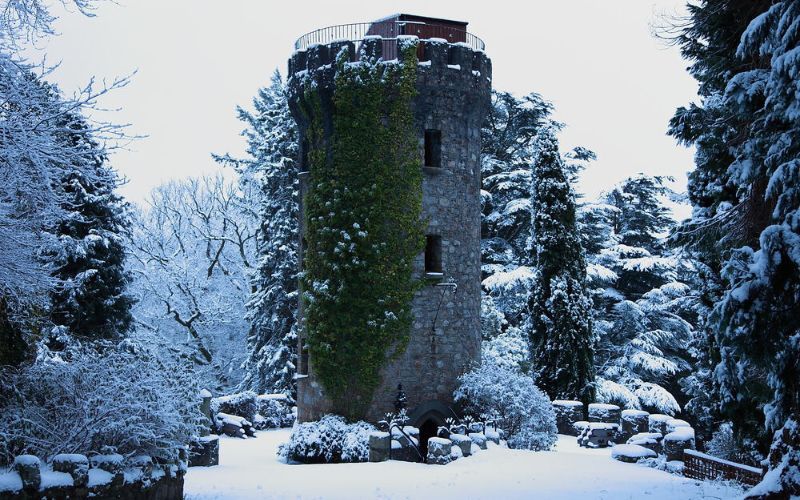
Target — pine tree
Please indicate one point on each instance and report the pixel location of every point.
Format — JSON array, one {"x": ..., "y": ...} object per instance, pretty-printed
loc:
[
  {"x": 90, "y": 299},
  {"x": 743, "y": 54},
  {"x": 271, "y": 165},
  {"x": 560, "y": 309}
]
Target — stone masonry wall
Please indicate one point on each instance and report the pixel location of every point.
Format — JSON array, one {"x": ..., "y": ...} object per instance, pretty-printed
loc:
[{"x": 453, "y": 84}]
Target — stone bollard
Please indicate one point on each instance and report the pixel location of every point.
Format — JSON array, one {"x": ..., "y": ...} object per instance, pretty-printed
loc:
[
  {"x": 379, "y": 445},
  {"x": 567, "y": 413},
  {"x": 658, "y": 423},
  {"x": 143, "y": 462},
  {"x": 600, "y": 412},
  {"x": 633, "y": 422},
  {"x": 579, "y": 427},
  {"x": 650, "y": 440},
  {"x": 29, "y": 469},
  {"x": 113, "y": 464},
  {"x": 463, "y": 442},
  {"x": 205, "y": 409},
  {"x": 75, "y": 465},
  {"x": 475, "y": 427},
  {"x": 631, "y": 453},
  {"x": 673, "y": 424},
  {"x": 204, "y": 452},
  {"x": 439, "y": 451},
  {"x": 675, "y": 442},
  {"x": 493, "y": 436},
  {"x": 404, "y": 441},
  {"x": 479, "y": 439}
]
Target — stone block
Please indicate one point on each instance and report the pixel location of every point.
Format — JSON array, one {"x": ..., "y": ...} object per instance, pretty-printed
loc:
[
  {"x": 674, "y": 423},
  {"x": 567, "y": 414},
  {"x": 439, "y": 451},
  {"x": 75, "y": 465},
  {"x": 204, "y": 452},
  {"x": 379, "y": 444},
  {"x": 601, "y": 412},
  {"x": 143, "y": 462},
  {"x": 631, "y": 453},
  {"x": 464, "y": 442},
  {"x": 479, "y": 439},
  {"x": 29, "y": 469},
  {"x": 675, "y": 442},
  {"x": 633, "y": 422},
  {"x": 112, "y": 463},
  {"x": 650, "y": 440},
  {"x": 658, "y": 423}
]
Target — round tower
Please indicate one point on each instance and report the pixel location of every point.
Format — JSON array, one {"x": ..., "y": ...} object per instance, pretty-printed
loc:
[{"x": 450, "y": 99}]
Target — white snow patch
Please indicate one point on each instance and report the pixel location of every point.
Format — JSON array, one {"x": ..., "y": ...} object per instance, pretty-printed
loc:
[
  {"x": 51, "y": 479},
  {"x": 249, "y": 469},
  {"x": 99, "y": 476},
  {"x": 10, "y": 481}
]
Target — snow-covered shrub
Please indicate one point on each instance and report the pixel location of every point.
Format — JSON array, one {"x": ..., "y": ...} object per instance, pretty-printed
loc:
[
  {"x": 242, "y": 404},
  {"x": 273, "y": 411},
  {"x": 123, "y": 398},
  {"x": 509, "y": 349},
  {"x": 523, "y": 410},
  {"x": 329, "y": 440}
]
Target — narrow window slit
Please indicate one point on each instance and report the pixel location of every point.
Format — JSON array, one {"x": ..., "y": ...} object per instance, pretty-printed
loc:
[
  {"x": 433, "y": 148},
  {"x": 433, "y": 254}
]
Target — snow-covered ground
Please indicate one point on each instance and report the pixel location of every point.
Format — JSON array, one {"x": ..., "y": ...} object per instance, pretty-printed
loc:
[{"x": 250, "y": 469}]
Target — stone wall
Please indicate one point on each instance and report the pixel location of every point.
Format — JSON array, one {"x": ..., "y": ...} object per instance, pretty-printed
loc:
[
  {"x": 453, "y": 84},
  {"x": 101, "y": 477}
]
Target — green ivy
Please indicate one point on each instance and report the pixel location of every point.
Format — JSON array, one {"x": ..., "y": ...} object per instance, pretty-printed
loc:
[{"x": 364, "y": 229}]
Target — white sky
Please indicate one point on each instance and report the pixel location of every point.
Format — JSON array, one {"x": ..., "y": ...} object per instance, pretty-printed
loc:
[{"x": 612, "y": 83}]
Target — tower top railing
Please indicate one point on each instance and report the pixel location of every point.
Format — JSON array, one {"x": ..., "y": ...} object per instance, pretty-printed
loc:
[{"x": 388, "y": 30}]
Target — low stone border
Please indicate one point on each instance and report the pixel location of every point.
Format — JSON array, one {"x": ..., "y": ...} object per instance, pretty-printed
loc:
[{"x": 76, "y": 476}]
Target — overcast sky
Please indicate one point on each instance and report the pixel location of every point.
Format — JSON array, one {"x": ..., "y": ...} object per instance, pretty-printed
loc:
[{"x": 612, "y": 83}]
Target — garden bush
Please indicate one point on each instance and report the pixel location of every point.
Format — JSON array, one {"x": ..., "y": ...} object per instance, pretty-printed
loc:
[
  {"x": 329, "y": 440},
  {"x": 523, "y": 411},
  {"x": 122, "y": 397},
  {"x": 273, "y": 411}
]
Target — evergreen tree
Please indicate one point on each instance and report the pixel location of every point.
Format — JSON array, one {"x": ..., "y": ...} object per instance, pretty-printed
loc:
[
  {"x": 60, "y": 221},
  {"x": 508, "y": 136},
  {"x": 90, "y": 299},
  {"x": 271, "y": 165},
  {"x": 643, "y": 311},
  {"x": 560, "y": 309},
  {"x": 746, "y": 201}
]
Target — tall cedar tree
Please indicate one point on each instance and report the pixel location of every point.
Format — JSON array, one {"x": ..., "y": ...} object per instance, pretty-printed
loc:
[
  {"x": 271, "y": 163},
  {"x": 642, "y": 309},
  {"x": 744, "y": 56},
  {"x": 91, "y": 299},
  {"x": 560, "y": 309}
]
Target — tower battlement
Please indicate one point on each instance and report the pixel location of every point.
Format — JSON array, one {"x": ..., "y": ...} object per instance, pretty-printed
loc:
[{"x": 433, "y": 54}]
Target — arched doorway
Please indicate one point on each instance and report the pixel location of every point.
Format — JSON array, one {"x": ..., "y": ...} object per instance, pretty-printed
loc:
[
  {"x": 426, "y": 431},
  {"x": 428, "y": 417}
]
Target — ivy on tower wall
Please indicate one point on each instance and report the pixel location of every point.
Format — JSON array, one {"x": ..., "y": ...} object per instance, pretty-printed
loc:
[{"x": 364, "y": 230}]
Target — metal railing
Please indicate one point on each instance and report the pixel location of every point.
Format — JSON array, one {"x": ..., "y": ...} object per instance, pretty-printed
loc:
[{"x": 389, "y": 30}]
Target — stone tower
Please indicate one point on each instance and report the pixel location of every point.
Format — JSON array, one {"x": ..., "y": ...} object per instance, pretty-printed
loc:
[{"x": 453, "y": 85}]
